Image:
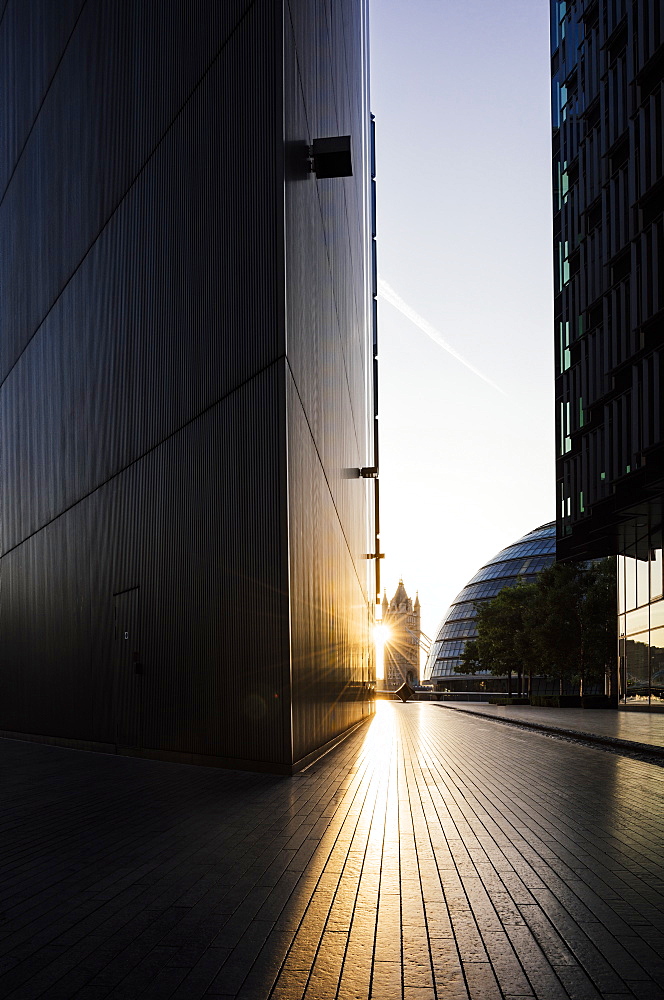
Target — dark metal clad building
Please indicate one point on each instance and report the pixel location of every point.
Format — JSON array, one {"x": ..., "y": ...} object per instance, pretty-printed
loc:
[
  {"x": 186, "y": 373},
  {"x": 523, "y": 560},
  {"x": 608, "y": 169}
]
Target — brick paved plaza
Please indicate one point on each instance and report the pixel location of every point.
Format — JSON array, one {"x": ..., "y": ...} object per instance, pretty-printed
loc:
[{"x": 432, "y": 854}]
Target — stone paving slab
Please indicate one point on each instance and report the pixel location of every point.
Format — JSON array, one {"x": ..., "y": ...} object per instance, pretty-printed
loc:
[
  {"x": 431, "y": 855},
  {"x": 643, "y": 728}
]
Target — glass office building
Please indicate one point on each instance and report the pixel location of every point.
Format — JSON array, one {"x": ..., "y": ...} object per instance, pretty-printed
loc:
[
  {"x": 608, "y": 211},
  {"x": 641, "y": 626},
  {"x": 521, "y": 561}
]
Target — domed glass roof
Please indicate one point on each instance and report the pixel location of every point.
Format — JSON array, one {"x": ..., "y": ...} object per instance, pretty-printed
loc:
[{"x": 522, "y": 560}]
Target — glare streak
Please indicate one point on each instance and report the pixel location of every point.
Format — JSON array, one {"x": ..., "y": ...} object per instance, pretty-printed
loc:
[
  {"x": 381, "y": 636},
  {"x": 387, "y": 292}
]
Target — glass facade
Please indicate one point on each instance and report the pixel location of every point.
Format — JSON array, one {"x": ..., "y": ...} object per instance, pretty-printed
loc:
[
  {"x": 607, "y": 88},
  {"x": 521, "y": 561},
  {"x": 607, "y": 92},
  {"x": 641, "y": 616}
]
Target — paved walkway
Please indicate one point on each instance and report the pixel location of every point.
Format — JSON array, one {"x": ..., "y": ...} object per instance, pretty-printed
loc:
[
  {"x": 432, "y": 855},
  {"x": 643, "y": 728}
]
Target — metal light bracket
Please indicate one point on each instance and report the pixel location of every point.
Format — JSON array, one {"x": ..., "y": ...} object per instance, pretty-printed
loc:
[{"x": 331, "y": 157}]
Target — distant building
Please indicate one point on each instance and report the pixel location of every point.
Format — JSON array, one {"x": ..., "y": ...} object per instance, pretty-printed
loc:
[
  {"x": 607, "y": 67},
  {"x": 402, "y": 648},
  {"x": 523, "y": 560}
]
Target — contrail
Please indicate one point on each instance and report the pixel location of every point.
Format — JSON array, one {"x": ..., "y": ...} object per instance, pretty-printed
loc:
[{"x": 388, "y": 293}]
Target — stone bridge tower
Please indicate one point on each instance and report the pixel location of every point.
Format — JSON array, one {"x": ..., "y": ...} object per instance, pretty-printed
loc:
[{"x": 402, "y": 648}]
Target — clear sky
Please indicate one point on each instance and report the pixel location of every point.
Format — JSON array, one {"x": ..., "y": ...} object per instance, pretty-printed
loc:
[{"x": 460, "y": 91}]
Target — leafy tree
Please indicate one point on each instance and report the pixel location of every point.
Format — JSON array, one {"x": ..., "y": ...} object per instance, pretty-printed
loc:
[
  {"x": 598, "y": 621},
  {"x": 573, "y": 621},
  {"x": 554, "y": 621},
  {"x": 503, "y": 641},
  {"x": 470, "y": 659},
  {"x": 562, "y": 626}
]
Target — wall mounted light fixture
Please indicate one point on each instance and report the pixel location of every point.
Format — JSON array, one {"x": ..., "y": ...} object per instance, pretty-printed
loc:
[{"x": 330, "y": 157}]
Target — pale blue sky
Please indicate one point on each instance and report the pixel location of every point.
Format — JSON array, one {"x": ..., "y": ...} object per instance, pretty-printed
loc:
[{"x": 460, "y": 91}]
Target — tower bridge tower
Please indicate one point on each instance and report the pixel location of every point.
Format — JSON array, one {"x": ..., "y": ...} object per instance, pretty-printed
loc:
[{"x": 402, "y": 649}]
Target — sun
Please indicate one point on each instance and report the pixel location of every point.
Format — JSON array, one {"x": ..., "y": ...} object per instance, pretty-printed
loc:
[{"x": 381, "y": 634}]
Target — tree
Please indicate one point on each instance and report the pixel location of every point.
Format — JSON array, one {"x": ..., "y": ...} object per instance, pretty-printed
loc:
[
  {"x": 554, "y": 621},
  {"x": 598, "y": 621},
  {"x": 503, "y": 641},
  {"x": 562, "y": 626},
  {"x": 573, "y": 621},
  {"x": 470, "y": 659}
]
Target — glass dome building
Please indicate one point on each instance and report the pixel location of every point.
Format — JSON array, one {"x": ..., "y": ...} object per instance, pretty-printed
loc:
[{"x": 522, "y": 560}]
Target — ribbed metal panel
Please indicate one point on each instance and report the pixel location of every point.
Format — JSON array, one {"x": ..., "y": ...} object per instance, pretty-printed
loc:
[
  {"x": 330, "y": 359},
  {"x": 158, "y": 465},
  {"x": 147, "y": 334},
  {"x": 142, "y": 402},
  {"x": 329, "y": 606},
  {"x": 213, "y": 636},
  {"x": 33, "y": 37},
  {"x": 128, "y": 74}
]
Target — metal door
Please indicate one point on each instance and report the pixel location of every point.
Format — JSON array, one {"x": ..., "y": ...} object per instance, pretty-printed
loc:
[{"x": 129, "y": 670}]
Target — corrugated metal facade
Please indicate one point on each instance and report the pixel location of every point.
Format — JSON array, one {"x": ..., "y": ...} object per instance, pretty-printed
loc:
[{"x": 185, "y": 361}]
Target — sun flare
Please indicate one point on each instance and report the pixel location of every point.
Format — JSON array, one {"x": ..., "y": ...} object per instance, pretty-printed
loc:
[{"x": 381, "y": 634}]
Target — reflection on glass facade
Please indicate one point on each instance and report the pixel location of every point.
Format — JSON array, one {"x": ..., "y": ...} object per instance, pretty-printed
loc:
[
  {"x": 641, "y": 615},
  {"x": 521, "y": 561}
]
